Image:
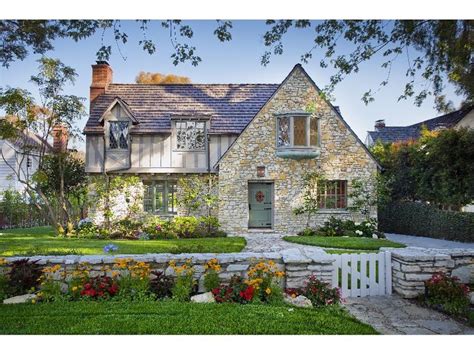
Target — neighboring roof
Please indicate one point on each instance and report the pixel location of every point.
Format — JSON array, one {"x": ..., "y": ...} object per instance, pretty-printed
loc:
[
  {"x": 230, "y": 106},
  {"x": 390, "y": 134},
  {"x": 30, "y": 141},
  {"x": 336, "y": 110}
]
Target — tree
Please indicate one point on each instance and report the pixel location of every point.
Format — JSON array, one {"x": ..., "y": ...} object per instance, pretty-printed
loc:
[
  {"x": 313, "y": 187},
  {"x": 158, "y": 78},
  {"x": 32, "y": 120},
  {"x": 64, "y": 179},
  {"x": 435, "y": 51},
  {"x": 437, "y": 168}
]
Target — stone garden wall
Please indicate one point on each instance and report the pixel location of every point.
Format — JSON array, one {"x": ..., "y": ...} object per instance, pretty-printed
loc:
[
  {"x": 411, "y": 267},
  {"x": 296, "y": 265}
]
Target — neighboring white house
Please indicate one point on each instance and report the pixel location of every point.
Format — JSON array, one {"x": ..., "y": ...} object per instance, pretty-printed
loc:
[{"x": 13, "y": 159}]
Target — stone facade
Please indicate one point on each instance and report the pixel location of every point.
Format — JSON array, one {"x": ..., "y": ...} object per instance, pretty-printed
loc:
[
  {"x": 342, "y": 157},
  {"x": 129, "y": 200},
  {"x": 296, "y": 265},
  {"x": 411, "y": 267}
]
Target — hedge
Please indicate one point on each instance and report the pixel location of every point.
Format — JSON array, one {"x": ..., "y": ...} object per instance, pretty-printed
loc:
[{"x": 419, "y": 219}]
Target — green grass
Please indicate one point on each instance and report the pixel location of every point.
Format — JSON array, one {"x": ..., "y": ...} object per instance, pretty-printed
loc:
[
  {"x": 169, "y": 317},
  {"x": 41, "y": 241},
  {"x": 344, "y": 243}
]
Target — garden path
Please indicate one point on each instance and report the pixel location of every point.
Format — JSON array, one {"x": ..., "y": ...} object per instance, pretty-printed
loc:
[
  {"x": 272, "y": 243},
  {"x": 395, "y": 315},
  {"x": 425, "y": 242}
]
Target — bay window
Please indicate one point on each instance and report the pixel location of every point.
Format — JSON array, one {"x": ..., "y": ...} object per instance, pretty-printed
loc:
[{"x": 297, "y": 131}]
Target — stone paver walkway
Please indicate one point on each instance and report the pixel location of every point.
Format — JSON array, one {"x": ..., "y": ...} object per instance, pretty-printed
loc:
[
  {"x": 395, "y": 315},
  {"x": 272, "y": 243},
  {"x": 424, "y": 242}
]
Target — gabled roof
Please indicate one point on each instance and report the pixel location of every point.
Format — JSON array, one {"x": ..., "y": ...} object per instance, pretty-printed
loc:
[
  {"x": 124, "y": 106},
  {"x": 390, "y": 134},
  {"x": 229, "y": 106},
  {"x": 336, "y": 111}
]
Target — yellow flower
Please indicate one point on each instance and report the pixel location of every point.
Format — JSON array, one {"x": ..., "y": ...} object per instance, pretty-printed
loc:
[
  {"x": 74, "y": 288},
  {"x": 33, "y": 301},
  {"x": 2, "y": 261},
  {"x": 268, "y": 291}
]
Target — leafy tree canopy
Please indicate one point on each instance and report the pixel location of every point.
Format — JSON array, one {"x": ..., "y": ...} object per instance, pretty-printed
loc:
[
  {"x": 158, "y": 78},
  {"x": 435, "y": 51}
]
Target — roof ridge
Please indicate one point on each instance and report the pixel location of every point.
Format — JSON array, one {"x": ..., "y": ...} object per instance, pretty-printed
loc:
[{"x": 191, "y": 84}]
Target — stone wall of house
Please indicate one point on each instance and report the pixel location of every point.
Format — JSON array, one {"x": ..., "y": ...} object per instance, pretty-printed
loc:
[
  {"x": 128, "y": 202},
  {"x": 296, "y": 265},
  {"x": 341, "y": 157},
  {"x": 124, "y": 202},
  {"x": 411, "y": 267}
]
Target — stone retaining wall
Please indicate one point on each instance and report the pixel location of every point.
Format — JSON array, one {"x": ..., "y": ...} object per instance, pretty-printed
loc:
[
  {"x": 411, "y": 267},
  {"x": 298, "y": 266}
]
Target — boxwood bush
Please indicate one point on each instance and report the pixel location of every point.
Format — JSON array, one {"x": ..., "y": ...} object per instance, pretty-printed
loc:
[{"x": 419, "y": 219}]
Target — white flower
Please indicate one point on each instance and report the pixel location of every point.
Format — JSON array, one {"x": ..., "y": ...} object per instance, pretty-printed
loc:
[
  {"x": 357, "y": 224},
  {"x": 375, "y": 236},
  {"x": 368, "y": 224},
  {"x": 291, "y": 309},
  {"x": 359, "y": 232}
]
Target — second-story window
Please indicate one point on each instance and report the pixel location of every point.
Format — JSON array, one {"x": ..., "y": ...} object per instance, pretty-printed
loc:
[
  {"x": 190, "y": 135},
  {"x": 297, "y": 131},
  {"x": 118, "y": 135}
]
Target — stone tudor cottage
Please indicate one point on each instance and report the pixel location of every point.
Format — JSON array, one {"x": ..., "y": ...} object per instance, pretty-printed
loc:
[{"x": 259, "y": 138}]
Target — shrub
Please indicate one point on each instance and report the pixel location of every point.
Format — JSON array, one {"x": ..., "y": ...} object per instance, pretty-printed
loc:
[
  {"x": 184, "y": 283},
  {"x": 236, "y": 291},
  {"x": 161, "y": 285},
  {"x": 100, "y": 287},
  {"x": 366, "y": 229},
  {"x": 447, "y": 294},
  {"x": 211, "y": 277},
  {"x": 185, "y": 227},
  {"x": 3, "y": 287},
  {"x": 320, "y": 293},
  {"x": 262, "y": 277},
  {"x": 50, "y": 289},
  {"x": 126, "y": 228},
  {"x": 307, "y": 232},
  {"x": 135, "y": 283},
  {"x": 23, "y": 276},
  {"x": 420, "y": 219},
  {"x": 335, "y": 227},
  {"x": 86, "y": 229}
]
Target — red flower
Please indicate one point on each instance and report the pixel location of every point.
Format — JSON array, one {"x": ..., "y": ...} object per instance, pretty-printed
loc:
[{"x": 247, "y": 294}]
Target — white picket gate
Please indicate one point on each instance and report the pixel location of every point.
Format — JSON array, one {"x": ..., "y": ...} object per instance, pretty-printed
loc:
[{"x": 360, "y": 275}]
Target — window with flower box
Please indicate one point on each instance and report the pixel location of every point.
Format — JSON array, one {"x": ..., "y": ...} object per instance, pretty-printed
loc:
[
  {"x": 160, "y": 196},
  {"x": 297, "y": 135},
  {"x": 333, "y": 195}
]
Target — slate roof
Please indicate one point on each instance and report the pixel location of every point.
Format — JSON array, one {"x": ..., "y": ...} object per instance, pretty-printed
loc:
[
  {"x": 390, "y": 134},
  {"x": 229, "y": 106}
]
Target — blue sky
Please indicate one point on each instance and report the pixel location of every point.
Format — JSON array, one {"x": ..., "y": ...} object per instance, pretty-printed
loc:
[{"x": 237, "y": 61}]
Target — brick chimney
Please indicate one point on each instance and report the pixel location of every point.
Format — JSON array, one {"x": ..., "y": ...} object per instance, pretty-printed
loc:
[
  {"x": 60, "y": 138},
  {"x": 101, "y": 78},
  {"x": 379, "y": 124}
]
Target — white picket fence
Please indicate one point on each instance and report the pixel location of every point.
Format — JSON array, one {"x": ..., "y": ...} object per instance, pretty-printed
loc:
[{"x": 360, "y": 275}]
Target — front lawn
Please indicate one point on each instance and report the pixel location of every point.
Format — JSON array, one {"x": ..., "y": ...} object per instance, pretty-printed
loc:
[
  {"x": 167, "y": 317},
  {"x": 356, "y": 243},
  {"x": 41, "y": 241}
]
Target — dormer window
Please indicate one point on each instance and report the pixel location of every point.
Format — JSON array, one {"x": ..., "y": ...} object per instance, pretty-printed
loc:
[
  {"x": 118, "y": 134},
  {"x": 190, "y": 135},
  {"x": 297, "y": 135}
]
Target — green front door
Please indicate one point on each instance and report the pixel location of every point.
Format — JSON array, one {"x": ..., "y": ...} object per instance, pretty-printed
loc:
[{"x": 260, "y": 205}]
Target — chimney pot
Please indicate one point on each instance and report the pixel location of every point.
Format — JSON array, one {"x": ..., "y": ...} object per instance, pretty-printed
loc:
[
  {"x": 101, "y": 78},
  {"x": 379, "y": 124},
  {"x": 60, "y": 138}
]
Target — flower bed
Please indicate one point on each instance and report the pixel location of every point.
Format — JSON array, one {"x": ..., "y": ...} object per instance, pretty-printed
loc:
[{"x": 149, "y": 227}]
